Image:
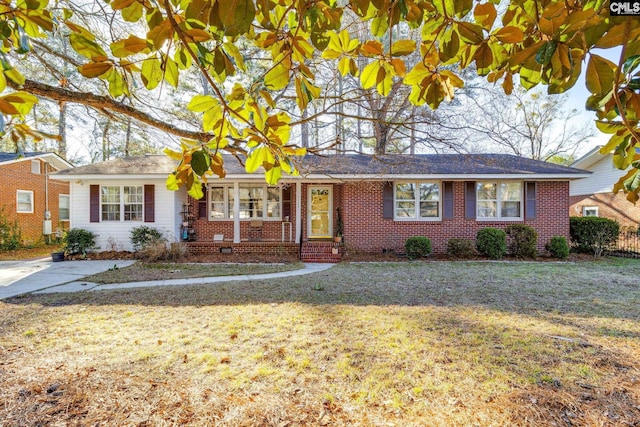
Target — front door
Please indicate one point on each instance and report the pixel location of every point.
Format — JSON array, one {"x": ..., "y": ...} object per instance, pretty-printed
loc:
[{"x": 320, "y": 212}]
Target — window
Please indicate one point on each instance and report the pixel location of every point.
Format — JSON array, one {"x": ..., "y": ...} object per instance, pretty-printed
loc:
[
  {"x": 121, "y": 202},
  {"x": 24, "y": 201},
  {"x": 590, "y": 211},
  {"x": 35, "y": 167},
  {"x": 417, "y": 200},
  {"x": 63, "y": 207},
  {"x": 499, "y": 200},
  {"x": 256, "y": 202}
]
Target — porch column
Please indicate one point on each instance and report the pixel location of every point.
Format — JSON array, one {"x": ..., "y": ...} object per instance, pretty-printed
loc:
[
  {"x": 236, "y": 212},
  {"x": 298, "y": 211}
]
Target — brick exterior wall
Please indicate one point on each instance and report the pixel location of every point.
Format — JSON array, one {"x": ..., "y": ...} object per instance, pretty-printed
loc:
[
  {"x": 610, "y": 205},
  {"x": 365, "y": 230},
  {"x": 17, "y": 176}
]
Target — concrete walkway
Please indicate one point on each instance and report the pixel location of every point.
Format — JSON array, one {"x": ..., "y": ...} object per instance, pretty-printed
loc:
[{"x": 44, "y": 276}]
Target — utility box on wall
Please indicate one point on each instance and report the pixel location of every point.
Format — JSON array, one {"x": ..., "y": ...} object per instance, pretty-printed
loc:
[{"x": 46, "y": 228}]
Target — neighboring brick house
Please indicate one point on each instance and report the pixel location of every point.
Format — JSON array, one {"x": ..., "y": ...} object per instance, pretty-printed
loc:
[
  {"x": 28, "y": 192},
  {"x": 593, "y": 195},
  {"x": 381, "y": 201}
]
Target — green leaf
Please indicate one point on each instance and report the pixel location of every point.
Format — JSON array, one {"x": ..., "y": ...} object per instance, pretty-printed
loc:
[
  {"x": 236, "y": 15},
  {"x": 546, "y": 52},
  {"x": 200, "y": 162},
  {"x": 201, "y": 103},
  {"x": 151, "y": 73},
  {"x": 86, "y": 46},
  {"x": 256, "y": 158}
]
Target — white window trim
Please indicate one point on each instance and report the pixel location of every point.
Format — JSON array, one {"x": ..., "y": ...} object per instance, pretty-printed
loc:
[
  {"x": 122, "y": 203},
  {"x": 230, "y": 187},
  {"x": 69, "y": 208},
  {"x": 30, "y": 193},
  {"x": 418, "y": 218},
  {"x": 498, "y": 216},
  {"x": 586, "y": 208}
]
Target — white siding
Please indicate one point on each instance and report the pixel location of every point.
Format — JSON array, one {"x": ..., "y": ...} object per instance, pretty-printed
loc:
[
  {"x": 604, "y": 176},
  {"x": 115, "y": 235}
]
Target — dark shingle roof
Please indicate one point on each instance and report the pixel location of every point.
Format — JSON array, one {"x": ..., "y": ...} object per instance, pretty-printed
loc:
[
  {"x": 150, "y": 164},
  {"x": 432, "y": 164},
  {"x": 6, "y": 157},
  {"x": 353, "y": 164}
]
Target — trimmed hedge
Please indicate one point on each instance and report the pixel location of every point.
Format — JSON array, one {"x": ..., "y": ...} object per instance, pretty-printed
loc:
[
  {"x": 592, "y": 234},
  {"x": 417, "y": 247},
  {"x": 144, "y": 236},
  {"x": 492, "y": 242},
  {"x": 522, "y": 241},
  {"x": 78, "y": 241},
  {"x": 461, "y": 248},
  {"x": 558, "y": 247}
]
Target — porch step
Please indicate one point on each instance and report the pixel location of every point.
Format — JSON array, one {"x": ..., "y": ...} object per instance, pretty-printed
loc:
[{"x": 324, "y": 252}]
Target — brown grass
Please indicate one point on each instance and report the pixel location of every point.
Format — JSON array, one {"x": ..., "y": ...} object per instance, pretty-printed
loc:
[
  {"x": 409, "y": 344},
  {"x": 29, "y": 253}
]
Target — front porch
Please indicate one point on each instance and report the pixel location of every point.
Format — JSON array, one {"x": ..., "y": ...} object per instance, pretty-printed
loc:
[{"x": 314, "y": 251}]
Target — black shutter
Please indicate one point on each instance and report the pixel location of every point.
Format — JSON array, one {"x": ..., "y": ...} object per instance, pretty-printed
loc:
[
  {"x": 387, "y": 200},
  {"x": 447, "y": 200},
  {"x": 94, "y": 203},
  {"x": 286, "y": 202},
  {"x": 470, "y": 200},
  {"x": 530, "y": 203},
  {"x": 202, "y": 202},
  {"x": 149, "y": 203}
]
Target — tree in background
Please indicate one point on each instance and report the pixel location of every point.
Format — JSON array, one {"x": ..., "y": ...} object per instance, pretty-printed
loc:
[
  {"x": 158, "y": 44},
  {"x": 529, "y": 124}
]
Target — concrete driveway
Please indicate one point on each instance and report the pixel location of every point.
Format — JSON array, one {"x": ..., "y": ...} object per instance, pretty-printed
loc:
[{"x": 21, "y": 277}]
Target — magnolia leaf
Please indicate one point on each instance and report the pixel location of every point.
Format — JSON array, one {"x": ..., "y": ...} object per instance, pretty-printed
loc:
[
  {"x": 133, "y": 12},
  {"x": 172, "y": 154},
  {"x": 8, "y": 108},
  {"x": 236, "y": 15},
  {"x": 277, "y": 77},
  {"x": 256, "y": 158},
  {"x": 509, "y": 34},
  {"x": 485, "y": 14},
  {"x": 369, "y": 75},
  {"x": 95, "y": 69},
  {"x": 172, "y": 183},
  {"x": 151, "y": 72},
  {"x": 201, "y": 103},
  {"x": 600, "y": 75},
  {"x": 171, "y": 72},
  {"x": 273, "y": 175},
  {"x": 195, "y": 188},
  {"x": 23, "y": 102},
  {"x": 129, "y": 46},
  {"x": 15, "y": 76},
  {"x": 403, "y": 47},
  {"x": 200, "y": 162},
  {"x": 85, "y": 46}
]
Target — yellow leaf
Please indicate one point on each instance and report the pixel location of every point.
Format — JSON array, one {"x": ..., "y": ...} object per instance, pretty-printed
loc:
[
  {"x": 403, "y": 47},
  {"x": 255, "y": 158},
  {"x": 277, "y": 77},
  {"x": 509, "y": 34},
  {"x": 369, "y": 75},
  {"x": 485, "y": 14},
  {"x": 172, "y": 183},
  {"x": 95, "y": 69},
  {"x": 600, "y": 75},
  {"x": 172, "y": 154},
  {"x": 195, "y": 189},
  {"x": 273, "y": 175}
]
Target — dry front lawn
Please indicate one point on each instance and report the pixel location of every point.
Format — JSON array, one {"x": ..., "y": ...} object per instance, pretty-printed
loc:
[{"x": 406, "y": 344}]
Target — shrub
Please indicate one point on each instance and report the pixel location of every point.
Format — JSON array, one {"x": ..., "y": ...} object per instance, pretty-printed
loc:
[
  {"x": 460, "y": 248},
  {"x": 522, "y": 241},
  {"x": 417, "y": 247},
  {"x": 10, "y": 236},
  {"x": 593, "y": 234},
  {"x": 143, "y": 236},
  {"x": 160, "y": 251},
  {"x": 558, "y": 247},
  {"x": 491, "y": 242},
  {"x": 78, "y": 241}
]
